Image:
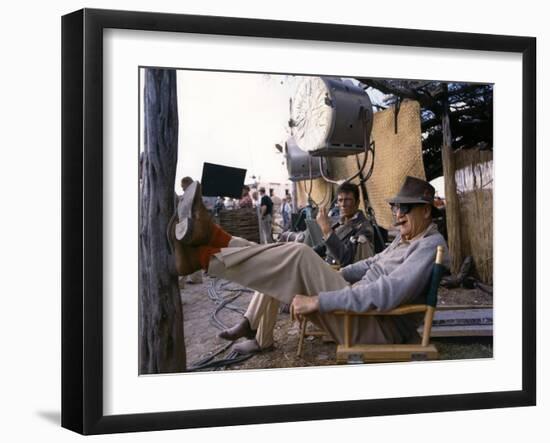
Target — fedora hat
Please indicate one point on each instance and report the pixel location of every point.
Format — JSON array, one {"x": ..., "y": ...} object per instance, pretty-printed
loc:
[{"x": 416, "y": 191}]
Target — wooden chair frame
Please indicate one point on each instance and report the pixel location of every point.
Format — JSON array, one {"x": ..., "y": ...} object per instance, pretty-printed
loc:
[{"x": 363, "y": 353}]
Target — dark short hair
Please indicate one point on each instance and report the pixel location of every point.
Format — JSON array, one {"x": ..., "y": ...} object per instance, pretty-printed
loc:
[
  {"x": 262, "y": 189},
  {"x": 187, "y": 180},
  {"x": 349, "y": 188},
  {"x": 246, "y": 188}
]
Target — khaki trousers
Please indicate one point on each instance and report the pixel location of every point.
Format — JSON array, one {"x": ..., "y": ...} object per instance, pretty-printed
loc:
[
  {"x": 283, "y": 270},
  {"x": 262, "y": 315}
]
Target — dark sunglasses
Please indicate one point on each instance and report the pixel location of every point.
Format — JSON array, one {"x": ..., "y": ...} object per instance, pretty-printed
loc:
[{"x": 403, "y": 208}]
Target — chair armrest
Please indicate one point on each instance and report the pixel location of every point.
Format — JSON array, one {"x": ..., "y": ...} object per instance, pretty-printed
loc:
[{"x": 401, "y": 310}]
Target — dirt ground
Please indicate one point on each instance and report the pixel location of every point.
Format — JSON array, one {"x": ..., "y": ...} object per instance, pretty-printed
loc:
[
  {"x": 201, "y": 301},
  {"x": 461, "y": 296}
]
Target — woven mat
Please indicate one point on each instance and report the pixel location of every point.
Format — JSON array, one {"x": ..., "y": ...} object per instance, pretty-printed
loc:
[
  {"x": 321, "y": 191},
  {"x": 242, "y": 222},
  {"x": 397, "y": 155}
]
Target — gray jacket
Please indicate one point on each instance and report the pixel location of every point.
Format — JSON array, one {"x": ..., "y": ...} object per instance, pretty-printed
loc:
[{"x": 399, "y": 274}]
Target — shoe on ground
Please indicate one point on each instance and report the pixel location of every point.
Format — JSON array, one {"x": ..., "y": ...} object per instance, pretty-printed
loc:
[
  {"x": 241, "y": 329},
  {"x": 247, "y": 347}
]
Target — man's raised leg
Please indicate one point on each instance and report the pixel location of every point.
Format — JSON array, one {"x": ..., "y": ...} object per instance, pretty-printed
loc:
[{"x": 281, "y": 270}]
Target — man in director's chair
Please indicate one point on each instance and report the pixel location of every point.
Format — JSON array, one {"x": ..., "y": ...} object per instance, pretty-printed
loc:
[{"x": 294, "y": 273}]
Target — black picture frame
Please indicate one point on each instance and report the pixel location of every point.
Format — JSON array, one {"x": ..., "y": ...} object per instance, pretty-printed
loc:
[{"x": 82, "y": 217}]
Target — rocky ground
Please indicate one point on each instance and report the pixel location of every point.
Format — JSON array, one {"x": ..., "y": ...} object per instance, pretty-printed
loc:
[{"x": 202, "y": 324}]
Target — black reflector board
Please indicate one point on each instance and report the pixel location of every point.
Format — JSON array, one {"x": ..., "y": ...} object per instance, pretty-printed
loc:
[{"x": 223, "y": 181}]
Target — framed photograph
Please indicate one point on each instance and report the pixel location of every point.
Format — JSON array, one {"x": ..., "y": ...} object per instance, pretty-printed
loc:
[{"x": 185, "y": 138}]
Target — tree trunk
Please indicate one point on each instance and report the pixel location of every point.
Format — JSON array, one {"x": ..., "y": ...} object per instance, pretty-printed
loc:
[
  {"x": 162, "y": 346},
  {"x": 451, "y": 197}
]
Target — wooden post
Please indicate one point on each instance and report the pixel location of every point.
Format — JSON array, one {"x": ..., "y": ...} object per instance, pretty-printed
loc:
[
  {"x": 451, "y": 198},
  {"x": 161, "y": 340}
]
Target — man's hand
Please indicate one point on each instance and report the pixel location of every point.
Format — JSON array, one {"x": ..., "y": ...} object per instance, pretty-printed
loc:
[
  {"x": 324, "y": 221},
  {"x": 305, "y": 304}
]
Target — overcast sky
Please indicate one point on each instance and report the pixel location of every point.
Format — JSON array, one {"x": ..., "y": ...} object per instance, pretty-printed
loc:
[
  {"x": 235, "y": 119},
  {"x": 232, "y": 119}
]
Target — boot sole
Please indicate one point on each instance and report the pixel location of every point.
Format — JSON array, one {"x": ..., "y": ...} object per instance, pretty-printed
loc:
[
  {"x": 185, "y": 206},
  {"x": 184, "y": 229}
]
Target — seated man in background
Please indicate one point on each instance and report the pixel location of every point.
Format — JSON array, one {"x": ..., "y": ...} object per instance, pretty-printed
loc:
[
  {"x": 294, "y": 273},
  {"x": 349, "y": 239}
]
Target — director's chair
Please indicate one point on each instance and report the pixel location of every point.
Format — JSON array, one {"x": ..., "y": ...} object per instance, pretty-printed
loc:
[{"x": 347, "y": 352}]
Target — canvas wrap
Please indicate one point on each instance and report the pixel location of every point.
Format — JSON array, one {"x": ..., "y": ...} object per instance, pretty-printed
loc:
[{"x": 397, "y": 155}]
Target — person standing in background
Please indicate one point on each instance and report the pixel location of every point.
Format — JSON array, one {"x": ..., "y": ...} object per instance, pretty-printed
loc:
[
  {"x": 286, "y": 212},
  {"x": 245, "y": 201},
  {"x": 276, "y": 218},
  {"x": 266, "y": 214}
]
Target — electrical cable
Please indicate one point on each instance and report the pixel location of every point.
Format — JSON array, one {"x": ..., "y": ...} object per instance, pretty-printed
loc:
[{"x": 214, "y": 291}]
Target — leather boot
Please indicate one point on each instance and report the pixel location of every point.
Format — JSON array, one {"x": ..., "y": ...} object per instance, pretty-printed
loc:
[
  {"x": 241, "y": 329},
  {"x": 201, "y": 227},
  {"x": 195, "y": 224},
  {"x": 187, "y": 260}
]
